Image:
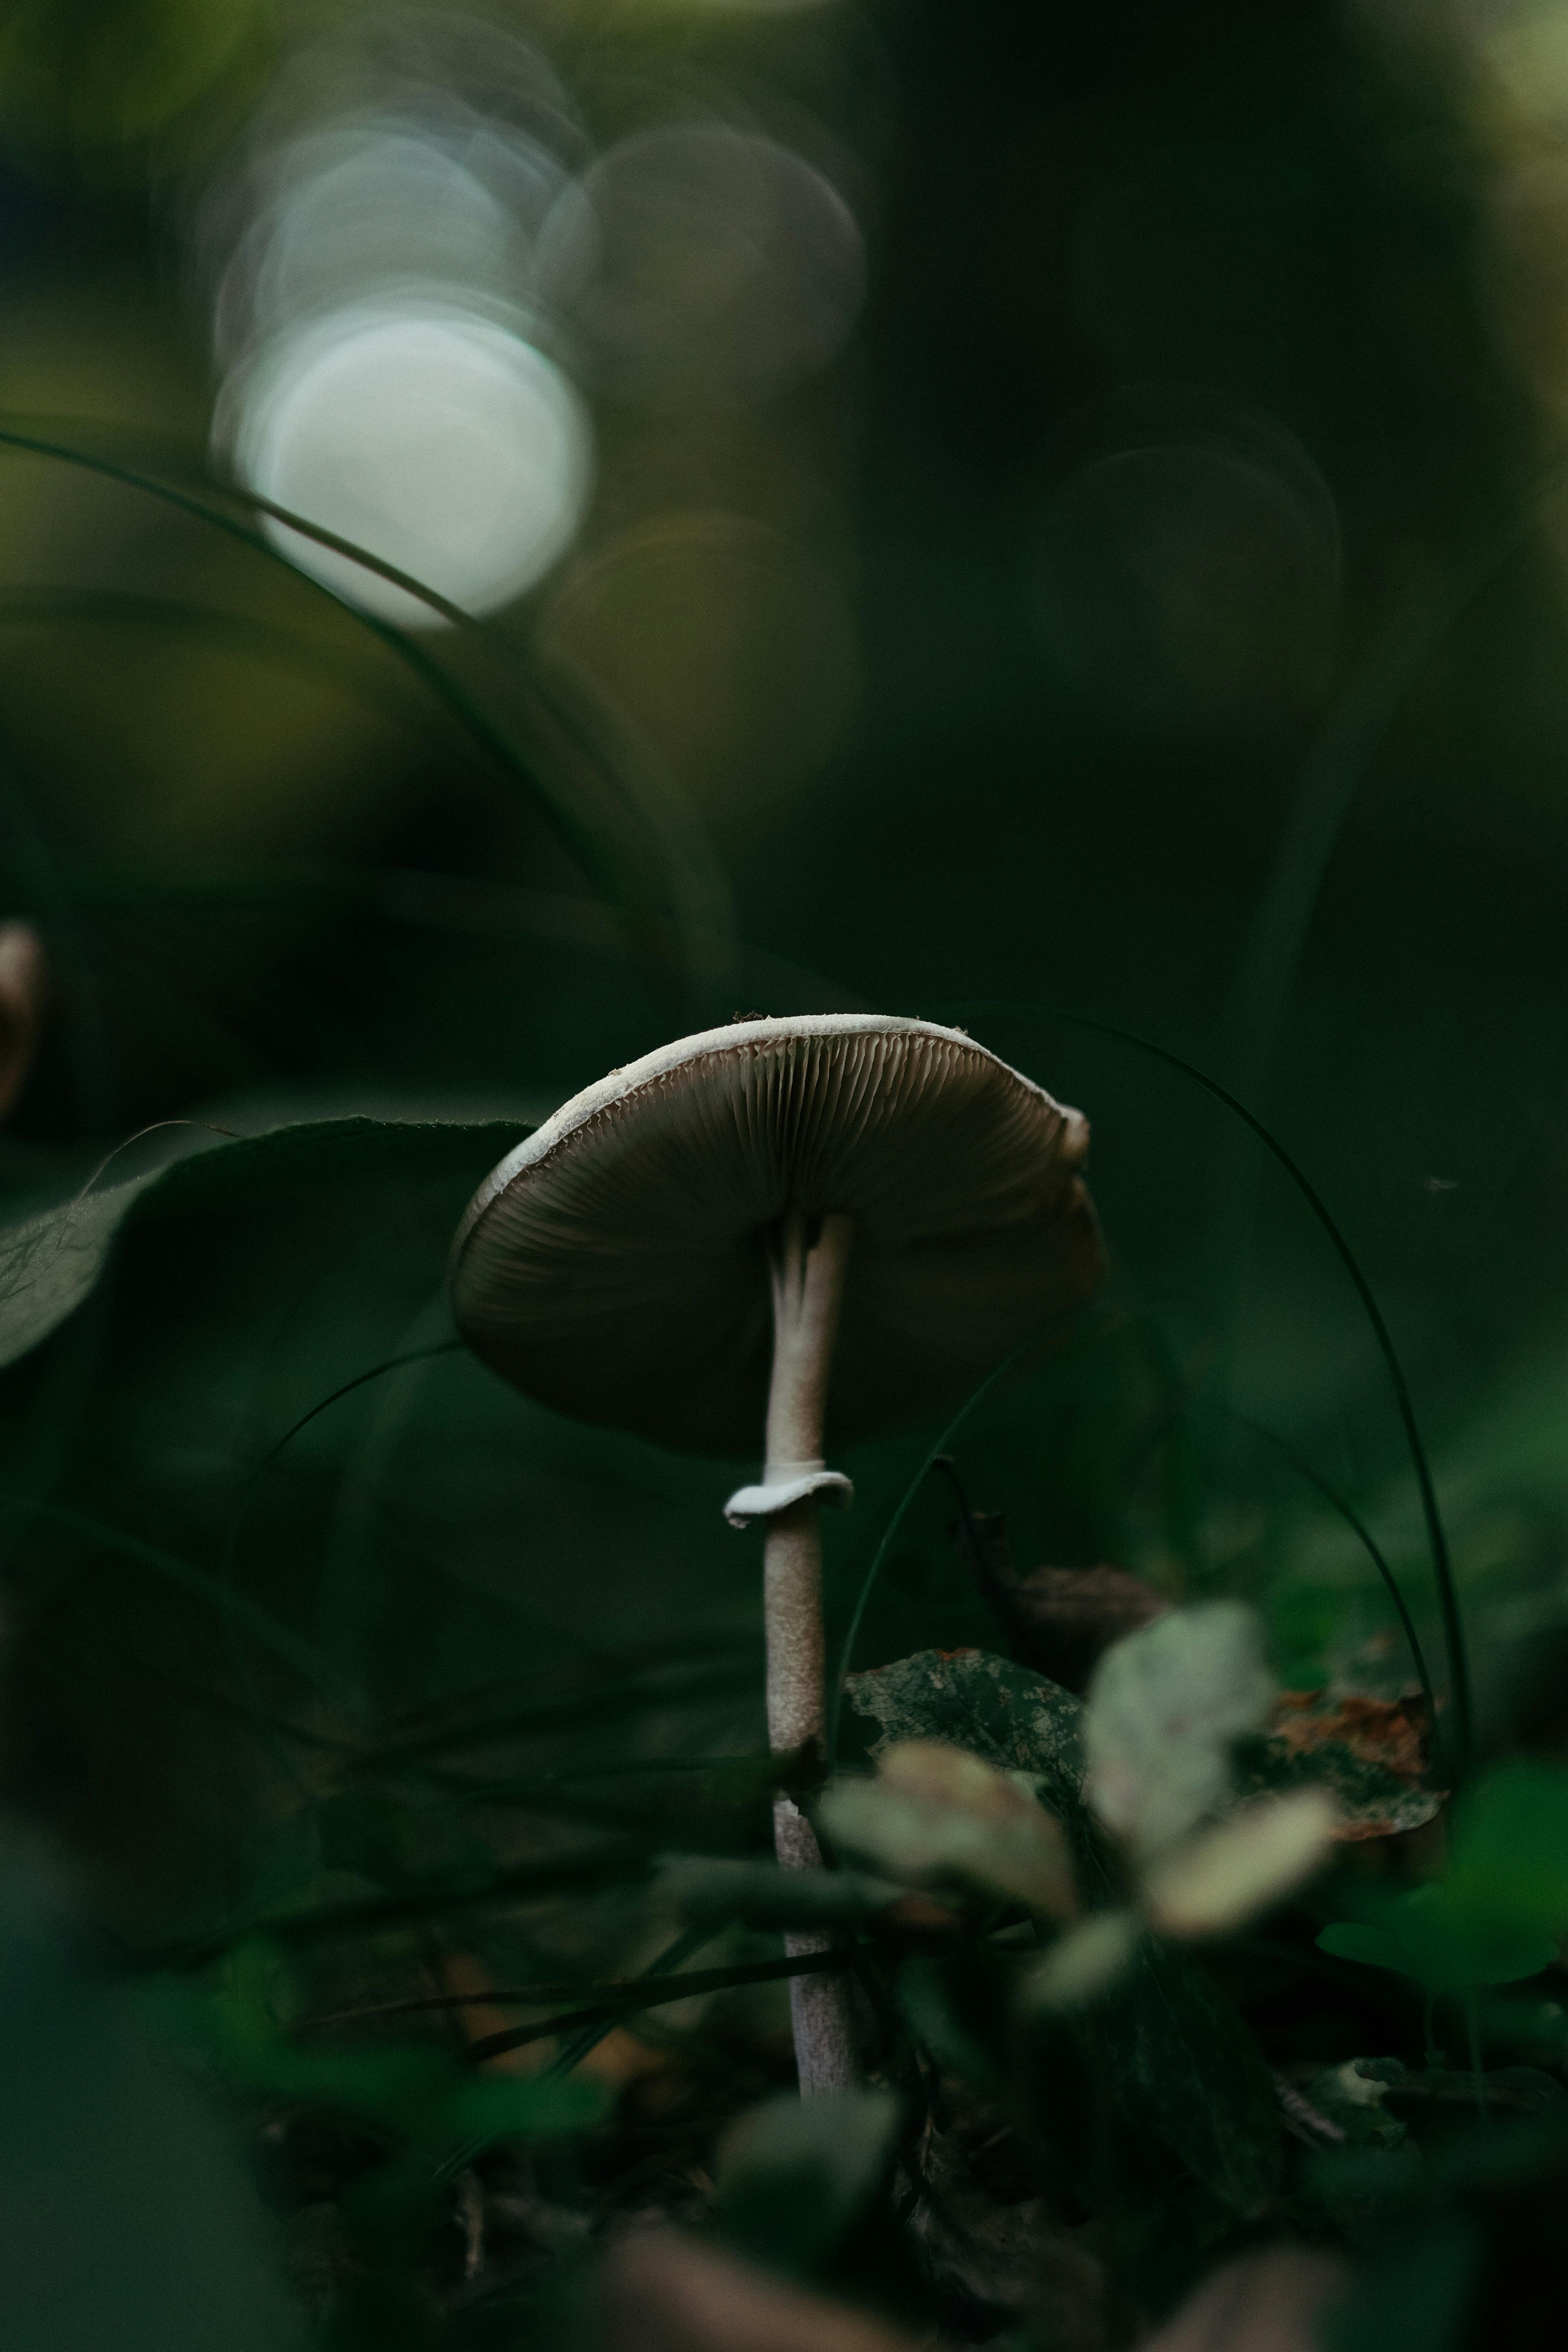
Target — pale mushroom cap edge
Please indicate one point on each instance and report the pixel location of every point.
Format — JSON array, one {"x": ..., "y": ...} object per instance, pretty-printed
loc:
[{"x": 615, "y": 1265}]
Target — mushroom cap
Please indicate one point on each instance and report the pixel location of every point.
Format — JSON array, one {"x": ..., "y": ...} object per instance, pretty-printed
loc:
[{"x": 616, "y": 1265}]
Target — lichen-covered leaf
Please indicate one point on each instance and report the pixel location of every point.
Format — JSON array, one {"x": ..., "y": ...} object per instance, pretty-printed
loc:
[
  {"x": 1011, "y": 1717},
  {"x": 1368, "y": 1753}
]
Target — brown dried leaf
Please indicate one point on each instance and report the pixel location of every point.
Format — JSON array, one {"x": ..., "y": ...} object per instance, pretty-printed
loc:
[
  {"x": 1060, "y": 1620},
  {"x": 1389, "y": 1732},
  {"x": 1370, "y": 1753},
  {"x": 659, "y": 2291}
]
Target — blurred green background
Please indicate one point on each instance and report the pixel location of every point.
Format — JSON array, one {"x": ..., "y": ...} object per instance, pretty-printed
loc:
[{"x": 1057, "y": 514}]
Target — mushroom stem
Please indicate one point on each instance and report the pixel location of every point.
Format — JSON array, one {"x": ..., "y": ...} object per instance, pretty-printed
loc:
[{"x": 809, "y": 1290}]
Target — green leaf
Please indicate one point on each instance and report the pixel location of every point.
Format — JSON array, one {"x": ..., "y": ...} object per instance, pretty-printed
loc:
[
  {"x": 1187, "y": 2070},
  {"x": 1418, "y": 2296},
  {"x": 1352, "y": 1939},
  {"x": 1510, "y": 1851},
  {"x": 1499, "y": 1911},
  {"x": 1446, "y": 1944},
  {"x": 718, "y": 1892},
  {"x": 50, "y": 1263},
  {"x": 795, "y": 2174}
]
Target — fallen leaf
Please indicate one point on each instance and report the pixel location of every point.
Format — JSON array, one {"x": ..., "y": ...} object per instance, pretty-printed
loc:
[
  {"x": 1371, "y": 1753},
  {"x": 985, "y": 1705},
  {"x": 1391, "y": 1732},
  {"x": 1060, "y": 1620}
]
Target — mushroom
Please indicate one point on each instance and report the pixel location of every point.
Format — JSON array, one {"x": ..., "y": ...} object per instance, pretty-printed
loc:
[{"x": 805, "y": 1229}]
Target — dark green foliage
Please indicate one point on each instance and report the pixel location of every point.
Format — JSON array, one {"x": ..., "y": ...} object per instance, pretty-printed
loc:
[
  {"x": 407, "y": 1739},
  {"x": 1186, "y": 2070},
  {"x": 128, "y": 2218},
  {"x": 796, "y": 2175}
]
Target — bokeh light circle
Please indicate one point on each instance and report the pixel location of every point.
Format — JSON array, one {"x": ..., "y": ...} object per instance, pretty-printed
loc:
[
  {"x": 438, "y": 440},
  {"x": 701, "y": 263},
  {"x": 1189, "y": 579}
]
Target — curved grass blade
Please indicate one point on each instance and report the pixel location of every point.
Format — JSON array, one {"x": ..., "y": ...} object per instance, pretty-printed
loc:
[
  {"x": 244, "y": 633},
  {"x": 626, "y": 1993},
  {"x": 976, "y": 1397},
  {"x": 1437, "y": 1536},
  {"x": 696, "y": 885},
  {"x": 616, "y": 1862},
  {"x": 613, "y": 2002},
  {"x": 662, "y": 1685},
  {"x": 234, "y": 1608},
  {"x": 240, "y": 1662},
  {"x": 1369, "y": 1544},
  {"x": 1330, "y": 779},
  {"x": 1332, "y": 774}
]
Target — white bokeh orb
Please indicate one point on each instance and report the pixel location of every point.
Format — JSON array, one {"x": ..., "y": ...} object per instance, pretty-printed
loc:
[{"x": 438, "y": 440}]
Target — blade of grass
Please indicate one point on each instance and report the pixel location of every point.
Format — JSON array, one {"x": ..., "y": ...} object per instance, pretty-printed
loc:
[
  {"x": 229, "y": 1558},
  {"x": 616, "y": 1862},
  {"x": 232, "y": 1608},
  {"x": 975, "y": 1397},
  {"x": 1437, "y": 1536},
  {"x": 657, "y": 1686},
  {"x": 625, "y": 2000},
  {"x": 588, "y": 2037},
  {"x": 624, "y": 1995},
  {"x": 700, "y": 896},
  {"x": 266, "y": 640},
  {"x": 1364, "y": 1537}
]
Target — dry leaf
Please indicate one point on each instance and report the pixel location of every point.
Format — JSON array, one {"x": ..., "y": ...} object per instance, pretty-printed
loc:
[
  {"x": 1370, "y": 1752},
  {"x": 1060, "y": 1620},
  {"x": 1389, "y": 1732},
  {"x": 659, "y": 2291},
  {"x": 935, "y": 1811}
]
